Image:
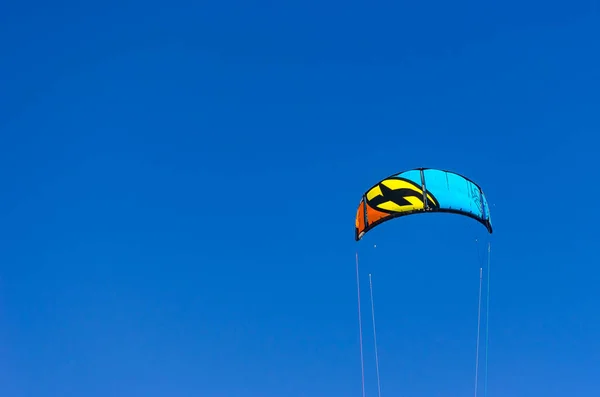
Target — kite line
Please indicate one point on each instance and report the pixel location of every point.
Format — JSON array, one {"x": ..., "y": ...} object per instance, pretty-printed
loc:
[
  {"x": 375, "y": 337},
  {"x": 478, "y": 331},
  {"x": 362, "y": 360},
  {"x": 487, "y": 319}
]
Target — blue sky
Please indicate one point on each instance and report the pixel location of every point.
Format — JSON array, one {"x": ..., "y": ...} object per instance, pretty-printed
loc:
[{"x": 179, "y": 185}]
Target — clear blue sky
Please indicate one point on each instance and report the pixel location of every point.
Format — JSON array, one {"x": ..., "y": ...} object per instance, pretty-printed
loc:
[{"x": 179, "y": 186}]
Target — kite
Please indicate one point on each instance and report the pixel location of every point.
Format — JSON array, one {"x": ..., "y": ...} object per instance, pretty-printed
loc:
[{"x": 421, "y": 190}]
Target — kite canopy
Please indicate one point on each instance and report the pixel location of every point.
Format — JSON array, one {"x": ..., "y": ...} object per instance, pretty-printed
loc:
[{"x": 421, "y": 190}]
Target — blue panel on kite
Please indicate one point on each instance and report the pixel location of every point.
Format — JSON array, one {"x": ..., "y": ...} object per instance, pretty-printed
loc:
[{"x": 454, "y": 192}]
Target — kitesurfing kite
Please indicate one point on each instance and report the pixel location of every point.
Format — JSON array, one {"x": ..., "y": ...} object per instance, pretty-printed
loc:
[{"x": 421, "y": 190}]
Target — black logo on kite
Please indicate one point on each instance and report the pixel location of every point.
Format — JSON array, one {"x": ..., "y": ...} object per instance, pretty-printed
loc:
[
  {"x": 476, "y": 197},
  {"x": 394, "y": 195}
]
